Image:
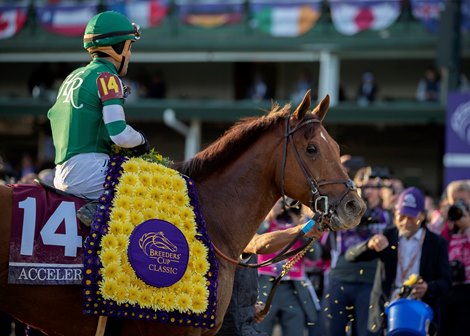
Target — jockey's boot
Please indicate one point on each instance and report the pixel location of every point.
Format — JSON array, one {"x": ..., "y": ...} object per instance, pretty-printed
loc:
[{"x": 87, "y": 212}]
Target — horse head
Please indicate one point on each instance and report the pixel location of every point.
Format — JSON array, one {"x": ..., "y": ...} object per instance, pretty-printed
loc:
[{"x": 309, "y": 150}]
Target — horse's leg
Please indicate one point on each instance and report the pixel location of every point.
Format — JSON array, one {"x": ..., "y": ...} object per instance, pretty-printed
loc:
[{"x": 57, "y": 310}]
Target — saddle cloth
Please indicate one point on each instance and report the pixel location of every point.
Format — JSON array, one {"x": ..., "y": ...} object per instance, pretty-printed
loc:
[
  {"x": 46, "y": 238},
  {"x": 148, "y": 255}
]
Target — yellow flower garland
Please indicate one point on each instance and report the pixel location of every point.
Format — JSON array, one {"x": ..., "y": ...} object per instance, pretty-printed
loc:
[{"x": 150, "y": 190}]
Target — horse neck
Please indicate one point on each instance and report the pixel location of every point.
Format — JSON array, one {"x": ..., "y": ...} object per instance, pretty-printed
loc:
[{"x": 236, "y": 200}]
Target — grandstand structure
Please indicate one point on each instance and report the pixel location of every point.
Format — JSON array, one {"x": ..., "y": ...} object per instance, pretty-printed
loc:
[{"x": 208, "y": 66}]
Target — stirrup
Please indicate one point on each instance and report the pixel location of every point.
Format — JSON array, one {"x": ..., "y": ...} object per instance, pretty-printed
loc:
[{"x": 87, "y": 212}]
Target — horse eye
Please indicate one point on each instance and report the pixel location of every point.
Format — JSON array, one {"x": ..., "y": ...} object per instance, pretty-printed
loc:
[{"x": 311, "y": 149}]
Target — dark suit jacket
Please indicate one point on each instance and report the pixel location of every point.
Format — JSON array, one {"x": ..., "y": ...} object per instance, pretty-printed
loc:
[{"x": 434, "y": 269}]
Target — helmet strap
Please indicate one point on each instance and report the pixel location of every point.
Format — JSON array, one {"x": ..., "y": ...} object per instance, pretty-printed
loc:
[
  {"x": 122, "y": 65},
  {"x": 108, "y": 50}
]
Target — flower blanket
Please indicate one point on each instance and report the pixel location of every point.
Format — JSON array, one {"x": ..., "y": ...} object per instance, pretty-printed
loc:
[{"x": 148, "y": 255}]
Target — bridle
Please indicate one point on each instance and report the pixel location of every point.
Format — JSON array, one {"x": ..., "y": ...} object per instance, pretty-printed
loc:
[{"x": 319, "y": 203}]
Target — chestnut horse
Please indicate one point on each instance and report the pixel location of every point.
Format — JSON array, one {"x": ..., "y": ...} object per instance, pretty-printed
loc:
[{"x": 239, "y": 178}]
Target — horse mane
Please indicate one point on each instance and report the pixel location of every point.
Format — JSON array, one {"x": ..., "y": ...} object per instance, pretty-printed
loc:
[{"x": 231, "y": 144}]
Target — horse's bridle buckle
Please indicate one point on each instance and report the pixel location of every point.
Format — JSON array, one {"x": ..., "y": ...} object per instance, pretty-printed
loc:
[
  {"x": 322, "y": 205},
  {"x": 351, "y": 185}
]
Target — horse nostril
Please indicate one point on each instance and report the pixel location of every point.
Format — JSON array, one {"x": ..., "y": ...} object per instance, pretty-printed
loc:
[{"x": 352, "y": 207}]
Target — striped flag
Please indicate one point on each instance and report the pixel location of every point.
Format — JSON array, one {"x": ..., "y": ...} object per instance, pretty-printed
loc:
[
  {"x": 68, "y": 18},
  {"x": 284, "y": 18},
  {"x": 12, "y": 19},
  {"x": 146, "y": 13},
  {"x": 353, "y": 16},
  {"x": 210, "y": 13}
]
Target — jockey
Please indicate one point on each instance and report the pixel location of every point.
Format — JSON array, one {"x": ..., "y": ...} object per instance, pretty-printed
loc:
[{"x": 88, "y": 115}]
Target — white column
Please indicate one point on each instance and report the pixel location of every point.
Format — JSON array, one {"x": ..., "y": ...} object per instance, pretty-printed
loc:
[
  {"x": 329, "y": 77},
  {"x": 193, "y": 139},
  {"x": 192, "y": 133}
]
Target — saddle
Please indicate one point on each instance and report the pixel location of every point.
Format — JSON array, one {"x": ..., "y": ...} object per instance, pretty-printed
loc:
[{"x": 85, "y": 214}]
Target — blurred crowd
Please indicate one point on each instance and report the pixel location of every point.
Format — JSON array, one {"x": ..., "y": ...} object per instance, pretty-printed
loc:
[
  {"x": 351, "y": 278},
  {"x": 25, "y": 171}
]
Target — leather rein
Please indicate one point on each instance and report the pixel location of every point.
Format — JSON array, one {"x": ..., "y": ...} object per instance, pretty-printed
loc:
[{"x": 319, "y": 203}]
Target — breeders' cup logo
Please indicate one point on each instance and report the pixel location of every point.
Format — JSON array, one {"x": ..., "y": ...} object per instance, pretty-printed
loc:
[
  {"x": 156, "y": 246},
  {"x": 460, "y": 122},
  {"x": 156, "y": 240},
  {"x": 409, "y": 201},
  {"x": 159, "y": 257}
]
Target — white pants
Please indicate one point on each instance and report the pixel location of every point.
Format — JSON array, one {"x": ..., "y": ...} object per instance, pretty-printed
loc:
[{"x": 82, "y": 175}]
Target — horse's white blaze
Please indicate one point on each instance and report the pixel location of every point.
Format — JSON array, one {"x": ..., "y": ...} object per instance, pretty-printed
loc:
[{"x": 323, "y": 136}]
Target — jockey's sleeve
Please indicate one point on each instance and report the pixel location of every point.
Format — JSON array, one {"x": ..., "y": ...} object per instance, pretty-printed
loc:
[{"x": 119, "y": 131}]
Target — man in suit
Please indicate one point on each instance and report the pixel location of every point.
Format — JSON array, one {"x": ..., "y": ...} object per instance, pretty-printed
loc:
[{"x": 405, "y": 249}]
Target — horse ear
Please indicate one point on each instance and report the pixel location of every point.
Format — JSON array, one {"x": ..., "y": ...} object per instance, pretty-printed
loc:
[
  {"x": 303, "y": 107},
  {"x": 322, "y": 108}
]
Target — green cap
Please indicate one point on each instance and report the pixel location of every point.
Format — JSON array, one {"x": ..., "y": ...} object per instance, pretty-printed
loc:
[{"x": 108, "y": 28}]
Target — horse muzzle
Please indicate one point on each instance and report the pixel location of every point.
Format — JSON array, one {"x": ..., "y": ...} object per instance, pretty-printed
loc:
[{"x": 348, "y": 213}]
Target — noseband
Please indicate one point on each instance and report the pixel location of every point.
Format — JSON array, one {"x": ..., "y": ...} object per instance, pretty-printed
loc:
[{"x": 318, "y": 203}]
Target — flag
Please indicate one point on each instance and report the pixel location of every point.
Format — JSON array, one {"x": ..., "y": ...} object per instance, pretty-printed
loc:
[
  {"x": 210, "y": 13},
  {"x": 285, "y": 18},
  {"x": 353, "y": 16},
  {"x": 465, "y": 23},
  {"x": 68, "y": 18},
  {"x": 146, "y": 13},
  {"x": 428, "y": 12},
  {"x": 12, "y": 19},
  {"x": 457, "y": 138}
]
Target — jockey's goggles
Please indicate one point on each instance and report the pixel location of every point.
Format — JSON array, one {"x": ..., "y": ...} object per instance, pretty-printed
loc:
[{"x": 136, "y": 32}]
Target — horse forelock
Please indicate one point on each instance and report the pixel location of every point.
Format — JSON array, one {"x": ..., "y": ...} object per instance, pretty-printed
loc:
[{"x": 232, "y": 143}]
